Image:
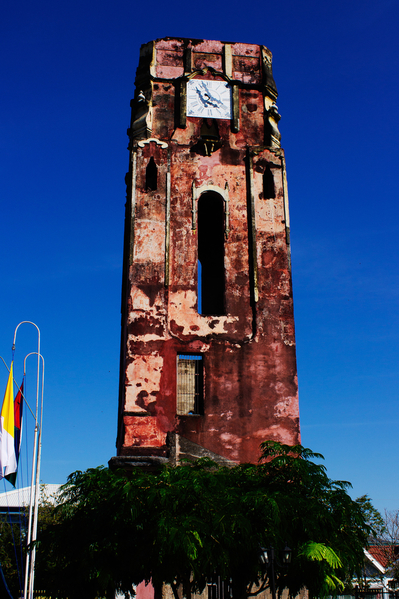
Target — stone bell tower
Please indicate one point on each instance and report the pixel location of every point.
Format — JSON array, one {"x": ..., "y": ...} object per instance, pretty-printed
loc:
[{"x": 208, "y": 361}]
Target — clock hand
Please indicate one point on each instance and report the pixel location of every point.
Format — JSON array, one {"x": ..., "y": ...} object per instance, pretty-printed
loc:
[
  {"x": 206, "y": 99},
  {"x": 201, "y": 97},
  {"x": 209, "y": 103},
  {"x": 217, "y": 100},
  {"x": 207, "y": 93}
]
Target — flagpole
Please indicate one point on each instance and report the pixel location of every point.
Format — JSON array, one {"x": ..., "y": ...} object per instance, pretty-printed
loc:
[
  {"x": 35, "y": 444},
  {"x": 37, "y": 485},
  {"x": 31, "y": 499}
]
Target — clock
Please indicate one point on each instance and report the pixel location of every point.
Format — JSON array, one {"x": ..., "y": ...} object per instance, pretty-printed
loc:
[{"x": 208, "y": 99}]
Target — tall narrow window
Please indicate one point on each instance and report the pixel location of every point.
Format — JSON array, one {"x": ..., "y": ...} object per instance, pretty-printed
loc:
[
  {"x": 211, "y": 284},
  {"x": 268, "y": 184},
  {"x": 189, "y": 384},
  {"x": 151, "y": 175}
]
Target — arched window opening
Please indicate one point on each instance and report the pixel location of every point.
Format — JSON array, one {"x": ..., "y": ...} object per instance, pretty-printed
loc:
[
  {"x": 211, "y": 279},
  {"x": 151, "y": 175},
  {"x": 268, "y": 184}
]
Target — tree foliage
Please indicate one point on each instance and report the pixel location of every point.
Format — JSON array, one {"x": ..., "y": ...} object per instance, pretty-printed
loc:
[
  {"x": 12, "y": 540},
  {"x": 182, "y": 524},
  {"x": 384, "y": 534},
  {"x": 391, "y": 538},
  {"x": 13, "y": 533},
  {"x": 373, "y": 518},
  {"x": 388, "y": 541}
]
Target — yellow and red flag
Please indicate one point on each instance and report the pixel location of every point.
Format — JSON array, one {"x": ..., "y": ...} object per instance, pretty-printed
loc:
[{"x": 8, "y": 462}]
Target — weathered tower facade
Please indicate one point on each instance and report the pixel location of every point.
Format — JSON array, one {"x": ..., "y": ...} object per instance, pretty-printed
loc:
[{"x": 208, "y": 362}]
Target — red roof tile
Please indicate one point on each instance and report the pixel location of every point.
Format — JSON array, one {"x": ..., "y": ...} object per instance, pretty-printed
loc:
[{"x": 384, "y": 554}]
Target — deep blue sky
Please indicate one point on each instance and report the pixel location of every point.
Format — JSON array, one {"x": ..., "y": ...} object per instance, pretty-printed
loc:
[{"x": 67, "y": 74}]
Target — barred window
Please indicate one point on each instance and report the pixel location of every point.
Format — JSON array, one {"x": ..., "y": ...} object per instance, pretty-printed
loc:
[
  {"x": 189, "y": 384},
  {"x": 220, "y": 589}
]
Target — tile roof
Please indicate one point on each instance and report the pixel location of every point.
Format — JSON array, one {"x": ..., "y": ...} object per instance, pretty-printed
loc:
[{"x": 383, "y": 554}]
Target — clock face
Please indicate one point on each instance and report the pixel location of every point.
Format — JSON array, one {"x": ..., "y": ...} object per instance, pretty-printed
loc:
[{"x": 208, "y": 99}]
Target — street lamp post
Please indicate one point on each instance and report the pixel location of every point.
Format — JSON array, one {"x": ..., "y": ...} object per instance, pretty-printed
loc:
[{"x": 268, "y": 559}]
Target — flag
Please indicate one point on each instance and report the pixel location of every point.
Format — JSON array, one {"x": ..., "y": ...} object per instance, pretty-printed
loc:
[
  {"x": 8, "y": 462},
  {"x": 18, "y": 406}
]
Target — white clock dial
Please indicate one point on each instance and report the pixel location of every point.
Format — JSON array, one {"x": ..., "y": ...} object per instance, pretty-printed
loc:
[{"x": 208, "y": 99}]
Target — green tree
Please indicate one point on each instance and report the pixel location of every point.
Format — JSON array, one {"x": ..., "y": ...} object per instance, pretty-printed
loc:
[
  {"x": 325, "y": 528},
  {"x": 12, "y": 555},
  {"x": 390, "y": 542},
  {"x": 182, "y": 524},
  {"x": 13, "y": 538},
  {"x": 373, "y": 518},
  {"x": 384, "y": 533}
]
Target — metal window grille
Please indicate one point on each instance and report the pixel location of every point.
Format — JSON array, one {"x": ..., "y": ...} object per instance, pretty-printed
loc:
[
  {"x": 189, "y": 384},
  {"x": 220, "y": 589}
]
